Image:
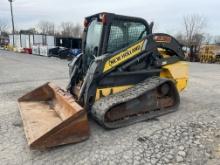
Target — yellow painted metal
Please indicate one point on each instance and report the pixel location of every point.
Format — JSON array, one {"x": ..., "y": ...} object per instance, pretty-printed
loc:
[
  {"x": 209, "y": 53},
  {"x": 177, "y": 72},
  {"x": 102, "y": 92},
  {"x": 10, "y": 48},
  {"x": 164, "y": 53},
  {"x": 124, "y": 56}
]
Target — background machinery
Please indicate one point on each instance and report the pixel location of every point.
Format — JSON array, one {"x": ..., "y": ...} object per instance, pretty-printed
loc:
[
  {"x": 124, "y": 75},
  {"x": 209, "y": 54}
]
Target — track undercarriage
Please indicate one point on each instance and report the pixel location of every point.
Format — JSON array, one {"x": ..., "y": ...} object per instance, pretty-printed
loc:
[{"x": 149, "y": 99}]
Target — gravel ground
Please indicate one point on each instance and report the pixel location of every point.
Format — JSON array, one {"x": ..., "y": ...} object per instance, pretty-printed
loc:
[{"x": 188, "y": 136}]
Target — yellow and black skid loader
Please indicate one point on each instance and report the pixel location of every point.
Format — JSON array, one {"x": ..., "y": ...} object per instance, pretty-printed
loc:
[{"x": 124, "y": 75}]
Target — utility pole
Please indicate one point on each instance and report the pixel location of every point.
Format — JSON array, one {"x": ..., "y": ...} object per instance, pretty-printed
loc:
[{"x": 12, "y": 21}]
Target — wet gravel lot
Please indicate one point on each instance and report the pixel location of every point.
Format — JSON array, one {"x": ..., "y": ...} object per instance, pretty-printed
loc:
[{"x": 188, "y": 136}]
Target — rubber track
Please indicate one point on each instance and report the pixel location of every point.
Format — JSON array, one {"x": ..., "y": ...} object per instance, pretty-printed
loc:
[{"x": 103, "y": 105}]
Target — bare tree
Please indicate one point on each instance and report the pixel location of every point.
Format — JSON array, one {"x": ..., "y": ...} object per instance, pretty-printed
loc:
[
  {"x": 156, "y": 27},
  {"x": 68, "y": 29},
  {"x": 46, "y": 27},
  {"x": 77, "y": 31},
  {"x": 194, "y": 25},
  {"x": 180, "y": 37},
  {"x": 3, "y": 25}
]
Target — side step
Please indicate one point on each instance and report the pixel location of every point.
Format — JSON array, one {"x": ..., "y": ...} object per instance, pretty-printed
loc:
[{"x": 52, "y": 117}]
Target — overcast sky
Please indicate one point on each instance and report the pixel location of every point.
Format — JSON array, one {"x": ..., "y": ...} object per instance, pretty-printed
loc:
[{"x": 167, "y": 14}]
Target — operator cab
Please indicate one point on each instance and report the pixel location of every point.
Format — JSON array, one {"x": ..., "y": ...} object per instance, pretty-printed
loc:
[{"x": 107, "y": 33}]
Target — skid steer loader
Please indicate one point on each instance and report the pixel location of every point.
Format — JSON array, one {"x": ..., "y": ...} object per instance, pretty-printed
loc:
[{"x": 124, "y": 75}]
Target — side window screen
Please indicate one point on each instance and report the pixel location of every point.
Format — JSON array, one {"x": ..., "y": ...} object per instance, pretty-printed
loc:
[
  {"x": 124, "y": 33},
  {"x": 93, "y": 38}
]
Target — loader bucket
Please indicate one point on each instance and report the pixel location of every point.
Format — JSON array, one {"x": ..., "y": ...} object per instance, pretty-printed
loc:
[{"x": 52, "y": 117}]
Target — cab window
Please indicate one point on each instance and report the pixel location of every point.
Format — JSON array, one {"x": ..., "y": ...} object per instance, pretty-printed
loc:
[{"x": 124, "y": 33}]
